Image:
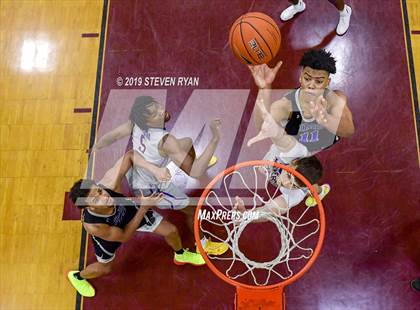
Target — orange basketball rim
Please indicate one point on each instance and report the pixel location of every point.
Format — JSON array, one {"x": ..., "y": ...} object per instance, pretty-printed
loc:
[{"x": 252, "y": 296}]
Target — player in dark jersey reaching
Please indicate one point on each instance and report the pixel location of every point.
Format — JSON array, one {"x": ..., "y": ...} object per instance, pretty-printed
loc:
[
  {"x": 315, "y": 115},
  {"x": 111, "y": 219}
]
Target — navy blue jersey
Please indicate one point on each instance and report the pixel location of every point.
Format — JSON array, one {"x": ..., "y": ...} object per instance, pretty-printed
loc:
[{"x": 124, "y": 212}]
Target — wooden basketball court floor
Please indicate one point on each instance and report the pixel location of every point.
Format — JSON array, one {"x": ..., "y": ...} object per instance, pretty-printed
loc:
[{"x": 59, "y": 62}]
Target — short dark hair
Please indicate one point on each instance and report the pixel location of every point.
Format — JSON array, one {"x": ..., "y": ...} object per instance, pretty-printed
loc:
[
  {"x": 81, "y": 189},
  {"x": 310, "y": 168},
  {"x": 139, "y": 112},
  {"x": 319, "y": 60}
]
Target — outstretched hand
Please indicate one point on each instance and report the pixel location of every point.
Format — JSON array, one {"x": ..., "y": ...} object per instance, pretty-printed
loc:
[
  {"x": 215, "y": 125},
  {"x": 269, "y": 128},
  {"x": 318, "y": 110},
  {"x": 264, "y": 75}
]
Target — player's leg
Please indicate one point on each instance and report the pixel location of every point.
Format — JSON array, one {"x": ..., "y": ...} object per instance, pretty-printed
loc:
[
  {"x": 79, "y": 278},
  {"x": 211, "y": 247},
  {"x": 175, "y": 199},
  {"x": 345, "y": 14},
  {"x": 156, "y": 224},
  {"x": 296, "y": 7},
  {"x": 105, "y": 254},
  {"x": 171, "y": 235},
  {"x": 96, "y": 270}
]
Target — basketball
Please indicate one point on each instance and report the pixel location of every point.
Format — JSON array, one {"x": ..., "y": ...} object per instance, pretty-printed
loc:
[{"x": 254, "y": 38}]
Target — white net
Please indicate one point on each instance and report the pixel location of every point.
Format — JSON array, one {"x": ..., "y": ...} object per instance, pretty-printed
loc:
[{"x": 297, "y": 227}]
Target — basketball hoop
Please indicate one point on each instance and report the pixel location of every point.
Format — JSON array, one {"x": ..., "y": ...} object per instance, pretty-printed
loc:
[{"x": 300, "y": 233}]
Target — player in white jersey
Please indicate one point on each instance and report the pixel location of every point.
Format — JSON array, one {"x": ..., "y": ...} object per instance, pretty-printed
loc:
[
  {"x": 158, "y": 147},
  {"x": 286, "y": 150}
]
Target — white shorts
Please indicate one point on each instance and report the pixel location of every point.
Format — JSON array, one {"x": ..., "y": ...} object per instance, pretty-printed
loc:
[
  {"x": 274, "y": 154},
  {"x": 292, "y": 196},
  {"x": 150, "y": 225},
  {"x": 173, "y": 197}
]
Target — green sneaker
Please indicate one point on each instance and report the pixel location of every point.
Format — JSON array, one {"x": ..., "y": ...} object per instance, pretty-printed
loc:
[
  {"x": 189, "y": 258},
  {"x": 311, "y": 202},
  {"x": 82, "y": 286}
]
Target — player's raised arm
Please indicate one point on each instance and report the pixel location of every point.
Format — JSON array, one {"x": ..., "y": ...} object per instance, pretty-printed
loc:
[
  {"x": 263, "y": 77},
  {"x": 112, "y": 178},
  {"x": 186, "y": 160},
  {"x": 270, "y": 129},
  {"x": 114, "y": 135}
]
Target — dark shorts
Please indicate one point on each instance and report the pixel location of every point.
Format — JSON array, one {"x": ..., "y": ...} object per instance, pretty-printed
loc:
[{"x": 105, "y": 250}]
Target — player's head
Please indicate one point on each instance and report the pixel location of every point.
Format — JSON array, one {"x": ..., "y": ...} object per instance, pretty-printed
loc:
[
  {"x": 317, "y": 65},
  {"x": 309, "y": 167},
  {"x": 146, "y": 112},
  {"x": 86, "y": 193}
]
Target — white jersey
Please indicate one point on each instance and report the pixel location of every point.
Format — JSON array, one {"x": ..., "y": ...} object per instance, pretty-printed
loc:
[
  {"x": 292, "y": 196},
  {"x": 146, "y": 143}
]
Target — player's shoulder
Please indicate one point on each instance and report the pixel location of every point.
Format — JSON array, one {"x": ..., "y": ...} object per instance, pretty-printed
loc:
[
  {"x": 339, "y": 94},
  {"x": 336, "y": 100}
]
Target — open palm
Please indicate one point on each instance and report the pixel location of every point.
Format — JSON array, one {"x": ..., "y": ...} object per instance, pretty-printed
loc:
[
  {"x": 269, "y": 128},
  {"x": 264, "y": 75}
]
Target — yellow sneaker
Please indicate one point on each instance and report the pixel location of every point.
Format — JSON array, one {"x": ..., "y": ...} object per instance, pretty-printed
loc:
[
  {"x": 215, "y": 248},
  {"x": 311, "y": 202},
  {"x": 82, "y": 286},
  {"x": 189, "y": 258},
  {"x": 212, "y": 162}
]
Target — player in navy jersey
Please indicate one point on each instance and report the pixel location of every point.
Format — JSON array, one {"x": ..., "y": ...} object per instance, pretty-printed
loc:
[
  {"x": 112, "y": 219},
  {"x": 315, "y": 115}
]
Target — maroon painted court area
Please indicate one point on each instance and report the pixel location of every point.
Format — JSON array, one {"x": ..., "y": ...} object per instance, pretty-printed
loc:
[{"x": 372, "y": 248}]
